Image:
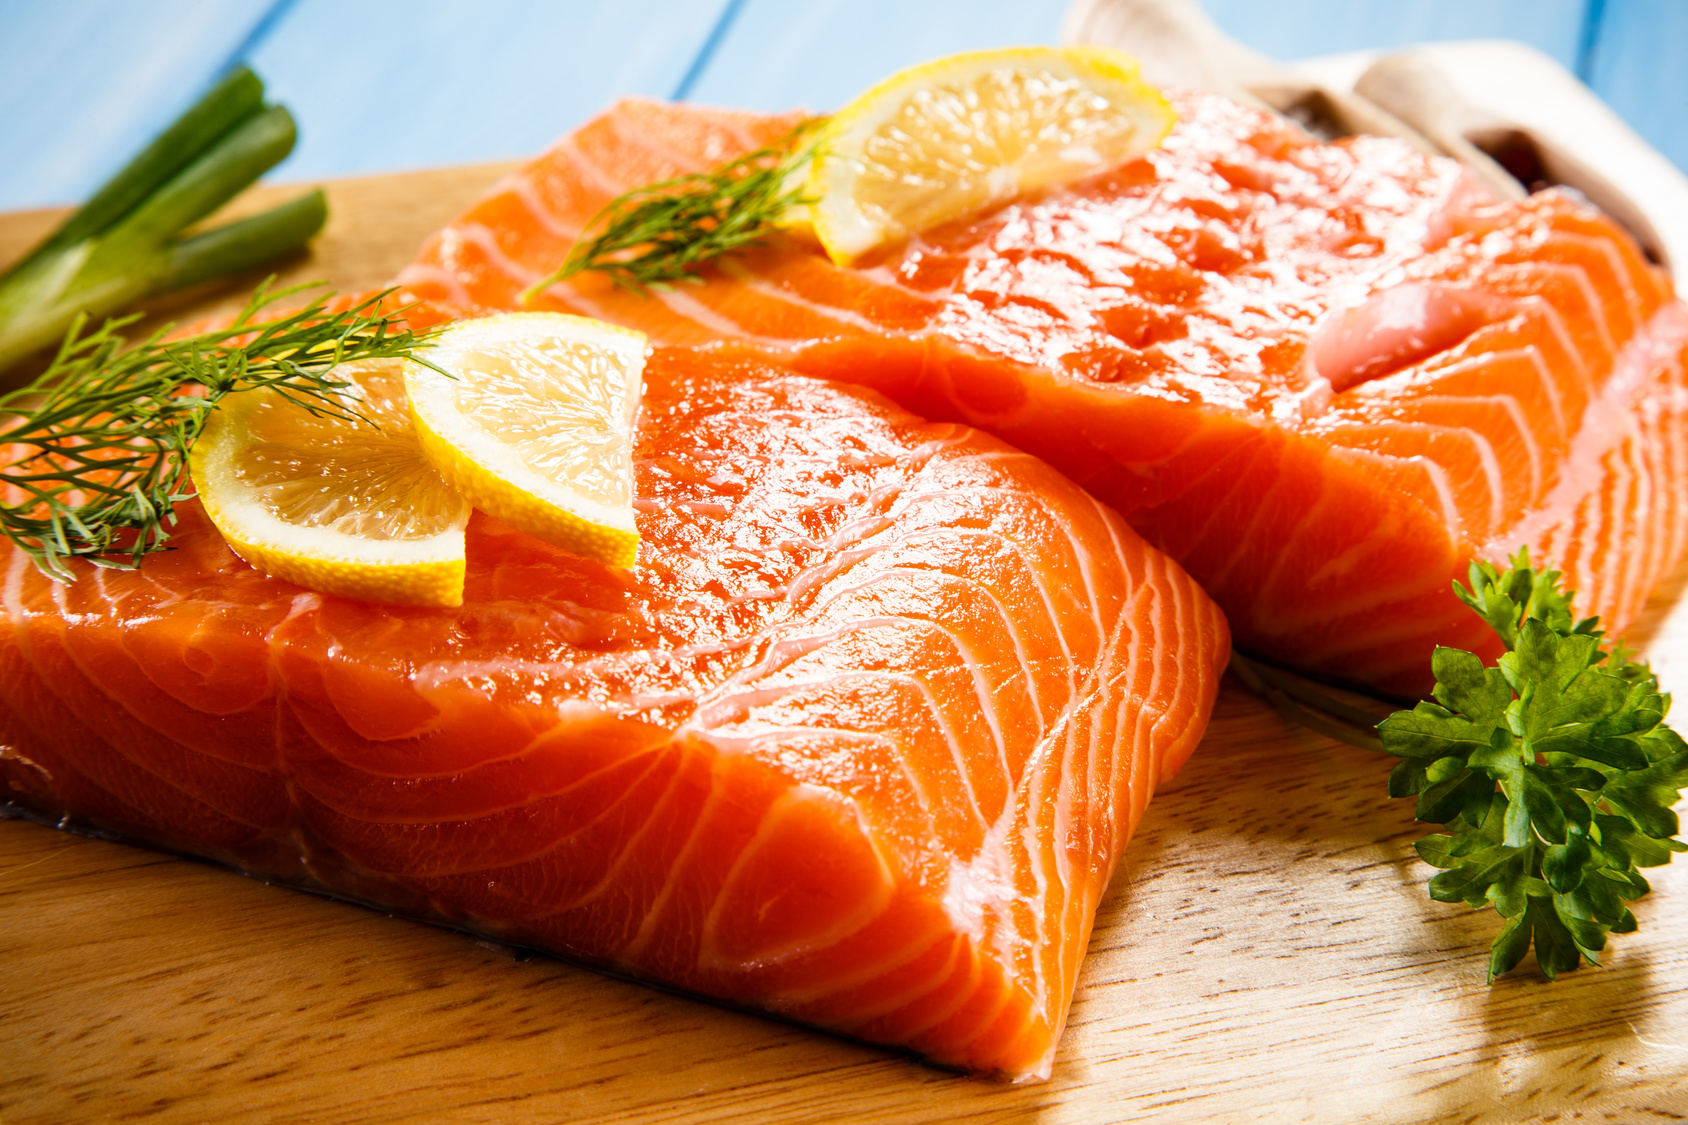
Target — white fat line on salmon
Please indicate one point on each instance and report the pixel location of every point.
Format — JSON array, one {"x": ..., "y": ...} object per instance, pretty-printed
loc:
[
  {"x": 671, "y": 162},
  {"x": 1049, "y": 764},
  {"x": 865, "y": 973},
  {"x": 480, "y": 236},
  {"x": 611, "y": 876},
  {"x": 590, "y": 172},
  {"x": 938, "y": 1014},
  {"x": 1596, "y": 315},
  {"x": 729, "y": 136},
  {"x": 983, "y": 692},
  {"x": 1222, "y": 525},
  {"x": 1475, "y": 366},
  {"x": 1615, "y": 505},
  {"x": 783, "y": 295},
  {"x": 1649, "y": 523},
  {"x": 1630, "y": 578},
  {"x": 1370, "y": 555},
  {"x": 420, "y": 276},
  {"x": 1515, "y": 413},
  {"x": 522, "y": 189},
  {"x": 981, "y": 888},
  {"x": 913, "y": 499},
  {"x": 864, "y": 914},
  {"x": 768, "y": 742},
  {"x": 885, "y": 276},
  {"x": 1586, "y": 526},
  {"x": 865, "y": 911},
  {"x": 851, "y": 541},
  {"x": 1087, "y": 562},
  {"x": 687, "y": 307},
  {"x": 1146, "y": 717},
  {"x": 1608, "y": 249},
  {"x": 302, "y": 603},
  {"x": 838, "y": 560},
  {"x": 735, "y": 700},
  {"x": 1349, "y": 439},
  {"x": 705, "y": 507},
  {"x": 1555, "y": 321},
  {"x": 1607, "y": 422},
  {"x": 914, "y": 680},
  {"x": 1110, "y": 685},
  {"x": 1667, "y": 444},
  {"x": 1663, "y": 449},
  {"x": 941, "y": 531},
  {"x": 939, "y": 536},
  {"x": 1550, "y": 388},
  {"x": 547, "y": 738}
]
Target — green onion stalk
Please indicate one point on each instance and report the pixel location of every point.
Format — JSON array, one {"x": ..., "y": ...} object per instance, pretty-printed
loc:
[{"x": 127, "y": 242}]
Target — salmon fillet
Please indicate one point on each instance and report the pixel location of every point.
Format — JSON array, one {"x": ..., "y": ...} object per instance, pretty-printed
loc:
[
  {"x": 859, "y": 741},
  {"x": 1324, "y": 377}
]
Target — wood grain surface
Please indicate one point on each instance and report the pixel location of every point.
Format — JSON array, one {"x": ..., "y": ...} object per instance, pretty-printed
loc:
[{"x": 1267, "y": 954}]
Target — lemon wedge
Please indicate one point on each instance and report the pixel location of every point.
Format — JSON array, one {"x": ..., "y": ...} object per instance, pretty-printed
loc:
[
  {"x": 534, "y": 425},
  {"x": 958, "y": 135},
  {"x": 334, "y": 503}
]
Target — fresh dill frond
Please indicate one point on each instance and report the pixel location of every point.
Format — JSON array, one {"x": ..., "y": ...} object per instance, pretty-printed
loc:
[
  {"x": 94, "y": 452},
  {"x": 666, "y": 232}
]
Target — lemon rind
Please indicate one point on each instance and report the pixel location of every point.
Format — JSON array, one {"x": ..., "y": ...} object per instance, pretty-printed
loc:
[
  {"x": 847, "y": 234},
  {"x": 491, "y": 474},
  {"x": 515, "y": 496},
  {"x": 427, "y": 571}
]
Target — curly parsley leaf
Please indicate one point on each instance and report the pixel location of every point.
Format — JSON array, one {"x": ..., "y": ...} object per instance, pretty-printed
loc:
[{"x": 1552, "y": 771}]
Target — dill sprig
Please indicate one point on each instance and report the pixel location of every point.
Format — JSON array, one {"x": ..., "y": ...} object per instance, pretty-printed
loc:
[
  {"x": 666, "y": 232},
  {"x": 95, "y": 450}
]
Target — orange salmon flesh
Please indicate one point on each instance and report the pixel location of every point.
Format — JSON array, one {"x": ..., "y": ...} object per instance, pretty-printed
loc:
[
  {"x": 861, "y": 738},
  {"x": 859, "y": 741},
  {"x": 1323, "y": 377}
]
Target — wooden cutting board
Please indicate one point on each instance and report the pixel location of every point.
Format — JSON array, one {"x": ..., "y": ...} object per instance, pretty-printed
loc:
[{"x": 1267, "y": 954}]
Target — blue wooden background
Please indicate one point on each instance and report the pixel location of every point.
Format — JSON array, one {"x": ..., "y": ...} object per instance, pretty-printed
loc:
[{"x": 384, "y": 85}]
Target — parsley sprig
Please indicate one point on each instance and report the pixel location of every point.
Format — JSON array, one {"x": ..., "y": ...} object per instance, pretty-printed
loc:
[
  {"x": 1553, "y": 772},
  {"x": 666, "y": 232}
]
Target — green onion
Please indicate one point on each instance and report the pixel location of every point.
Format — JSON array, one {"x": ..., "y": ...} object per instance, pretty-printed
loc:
[{"x": 126, "y": 242}]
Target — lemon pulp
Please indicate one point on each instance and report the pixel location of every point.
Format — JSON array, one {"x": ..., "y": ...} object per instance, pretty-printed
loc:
[
  {"x": 533, "y": 422},
  {"x": 953, "y": 137},
  {"x": 333, "y": 502}
]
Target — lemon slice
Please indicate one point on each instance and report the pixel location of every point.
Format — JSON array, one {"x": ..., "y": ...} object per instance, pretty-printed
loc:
[
  {"x": 534, "y": 425},
  {"x": 334, "y": 503},
  {"x": 955, "y": 136}
]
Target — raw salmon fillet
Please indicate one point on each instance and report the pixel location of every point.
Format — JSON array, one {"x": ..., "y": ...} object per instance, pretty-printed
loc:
[
  {"x": 1324, "y": 377},
  {"x": 858, "y": 741}
]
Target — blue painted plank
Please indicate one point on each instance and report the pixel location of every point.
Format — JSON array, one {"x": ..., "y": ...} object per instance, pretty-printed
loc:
[
  {"x": 382, "y": 85},
  {"x": 390, "y": 84},
  {"x": 1298, "y": 29},
  {"x": 777, "y": 55},
  {"x": 1638, "y": 62},
  {"x": 85, "y": 83}
]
